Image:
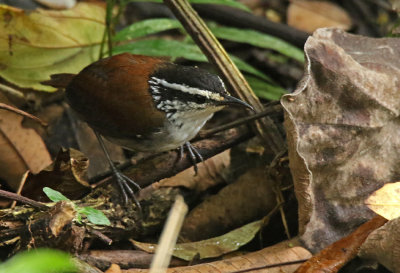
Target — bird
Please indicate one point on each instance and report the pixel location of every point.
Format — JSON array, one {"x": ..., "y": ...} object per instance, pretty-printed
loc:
[{"x": 145, "y": 104}]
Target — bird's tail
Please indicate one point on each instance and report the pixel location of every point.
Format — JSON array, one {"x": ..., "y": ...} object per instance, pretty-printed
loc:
[{"x": 59, "y": 80}]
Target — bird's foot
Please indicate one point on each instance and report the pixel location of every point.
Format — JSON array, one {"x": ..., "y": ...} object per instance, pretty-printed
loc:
[
  {"x": 194, "y": 155},
  {"x": 125, "y": 183}
]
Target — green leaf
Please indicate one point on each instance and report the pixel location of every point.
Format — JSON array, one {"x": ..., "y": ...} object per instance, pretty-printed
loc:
[
  {"x": 54, "y": 196},
  {"x": 176, "y": 49},
  {"x": 95, "y": 216},
  {"x": 242, "y": 65},
  {"x": 213, "y": 247},
  {"x": 146, "y": 27},
  {"x": 259, "y": 39},
  {"x": 162, "y": 47},
  {"x": 78, "y": 217},
  {"x": 265, "y": 90},
  {"x": 229, "y": 3},
  {"x": 36, "y": 44},
  {"x": 39, "y": 261}
]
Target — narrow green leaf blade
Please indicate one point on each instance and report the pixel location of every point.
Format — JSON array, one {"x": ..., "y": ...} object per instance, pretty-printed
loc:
[
  {"x": 264, "y": 89},
  {"x": 146, "y": 27},
  {"x": 39, "y": 261},
  {"x": 176, "y": 49},
  {"x": 54, "y": 195},
  {"x": 95, "y": 216},
  {"x": 258, "y": 39},
  {"x": 242, "y": 65},
  {"x": 162, "y": 47}
]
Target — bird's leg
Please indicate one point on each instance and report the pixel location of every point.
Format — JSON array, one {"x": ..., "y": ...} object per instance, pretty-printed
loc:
[
  {"x": 123, "y": 181},
  {"x": 193, "y": 154},
  {"x": 181, "y": 150}
]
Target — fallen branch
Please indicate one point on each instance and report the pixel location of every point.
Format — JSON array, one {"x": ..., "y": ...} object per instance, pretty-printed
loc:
[{"x": 22, "y": 199}]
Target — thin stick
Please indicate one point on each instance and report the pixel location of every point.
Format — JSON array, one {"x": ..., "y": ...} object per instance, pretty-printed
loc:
[
  {"x": 101, "y": 236},
  {"x": 22, "y": 113},
  {"x": 269, "y": 110},
  {"x": 169, "y": 236},
  {"x": 22, "y": 199},
  {"x": 20, "y": 187},
  {"x": 12, "y": 91}
]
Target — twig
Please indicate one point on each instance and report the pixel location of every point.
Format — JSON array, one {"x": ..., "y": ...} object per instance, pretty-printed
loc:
[
  {"x": 217, "y": 55},
  {"x": 169, "y": 236},
  {"x": 12, "y": 91},
  {"x": 268, "y": 111},
  {"x": 277, "y": 189},
  {"x": 21, "y": 185},
  {"x": 22, "y": 113},
  {"x": 101, "y": 236},
  {"x": 124, "y": 258},
  {"x": 270, "y": 266},
  {"x": 22, "y": 199},
  {"x": 267, "y": 218}
]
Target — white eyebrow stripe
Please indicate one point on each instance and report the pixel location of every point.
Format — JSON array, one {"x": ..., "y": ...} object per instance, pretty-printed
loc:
[
  {"x": 187, "y": 89},
  {"x": 222, "y": 82}
]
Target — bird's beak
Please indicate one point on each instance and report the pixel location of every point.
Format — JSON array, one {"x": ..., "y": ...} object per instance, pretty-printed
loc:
[{"x": 229, "y": 100}]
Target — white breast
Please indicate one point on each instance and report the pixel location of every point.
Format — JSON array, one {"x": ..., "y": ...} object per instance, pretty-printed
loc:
[{"x": 178, "y": 129}]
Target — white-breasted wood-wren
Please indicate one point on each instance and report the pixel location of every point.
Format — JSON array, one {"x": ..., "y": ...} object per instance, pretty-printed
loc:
[{"x": 146, "y": 104}]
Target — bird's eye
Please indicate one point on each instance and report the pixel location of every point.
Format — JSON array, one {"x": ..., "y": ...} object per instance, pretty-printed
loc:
[{"x": 200, "y": 99}]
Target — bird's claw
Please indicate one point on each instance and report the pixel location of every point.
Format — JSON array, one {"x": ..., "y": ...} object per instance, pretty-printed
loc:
[
  {"x": 194, "y": 155},
  {"x": 124, "y": 183}
]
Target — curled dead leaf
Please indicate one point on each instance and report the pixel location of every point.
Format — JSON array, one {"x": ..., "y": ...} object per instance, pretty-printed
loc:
[
  {"x": 67, "y": 174},
  {"x": 63, "y": 214},
  {"x": 342, "y": 124}
]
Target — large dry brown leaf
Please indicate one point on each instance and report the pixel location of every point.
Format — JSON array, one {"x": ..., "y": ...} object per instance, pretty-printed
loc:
[
  {"x": 21, "y": 149},
  {"x": 67, "y": 174},
  {"x": 343, "y": 130}
]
